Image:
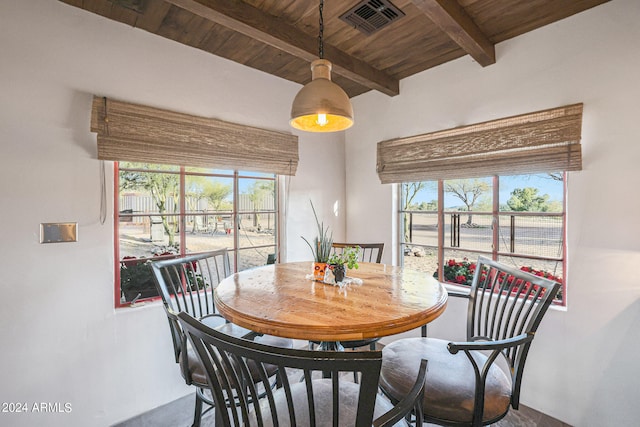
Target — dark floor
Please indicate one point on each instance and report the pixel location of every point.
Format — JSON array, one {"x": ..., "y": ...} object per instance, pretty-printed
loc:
[{"x": 180, "y": 414}]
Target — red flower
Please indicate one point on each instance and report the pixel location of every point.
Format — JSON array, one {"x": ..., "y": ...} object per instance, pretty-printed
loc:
[
  {"x": 452, "y": 262},
  {"x": 130, "y": 261},
  {"x": 461, "y": 279}
]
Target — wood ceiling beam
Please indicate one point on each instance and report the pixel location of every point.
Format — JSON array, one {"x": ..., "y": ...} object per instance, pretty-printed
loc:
[
  {"x": 252, "y": 22},
  {"x": 454, "y": 21}
]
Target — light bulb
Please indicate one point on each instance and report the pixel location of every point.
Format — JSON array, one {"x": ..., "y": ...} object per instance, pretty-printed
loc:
[{"x": 322, "y": 120}]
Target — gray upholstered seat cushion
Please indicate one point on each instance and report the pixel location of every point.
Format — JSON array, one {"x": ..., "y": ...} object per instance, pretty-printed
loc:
[
  {"x": 450, "y": 384},
  {"x": 196, "y": 370},
  {"x": 219, "y": 323},
  {"x": 322, "y": 393}
]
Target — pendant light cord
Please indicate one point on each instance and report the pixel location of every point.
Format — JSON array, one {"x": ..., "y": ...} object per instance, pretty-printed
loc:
[{"x": 320, "y": 35}]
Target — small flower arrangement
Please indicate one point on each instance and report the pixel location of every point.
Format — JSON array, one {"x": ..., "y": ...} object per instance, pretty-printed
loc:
[
  {"x": 459, "y": 272},
  {"x": 347, "y": 258},
  {"x": 542, "y": 273},
  {"x": 462, "y": 272}
]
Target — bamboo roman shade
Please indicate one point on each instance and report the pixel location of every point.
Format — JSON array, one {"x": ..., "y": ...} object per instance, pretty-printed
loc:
[
  {"x": 544, "y": 141},
  {"x": 137, "y": 133}
]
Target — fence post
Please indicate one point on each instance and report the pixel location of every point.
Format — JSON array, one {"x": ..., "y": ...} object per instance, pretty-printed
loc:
[
  {"x": 411, "y": 227},
  {"x": 455, "y": 230},
  {"x": 513, "y": 234}
]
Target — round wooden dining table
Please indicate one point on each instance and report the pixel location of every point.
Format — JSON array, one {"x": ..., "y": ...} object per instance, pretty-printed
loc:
[{"x": 280, "y": 300}]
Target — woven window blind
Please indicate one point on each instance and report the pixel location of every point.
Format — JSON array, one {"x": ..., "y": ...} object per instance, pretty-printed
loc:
[
  {"x": 137, "y": 133},
  {"x": 543, "y": 141}
]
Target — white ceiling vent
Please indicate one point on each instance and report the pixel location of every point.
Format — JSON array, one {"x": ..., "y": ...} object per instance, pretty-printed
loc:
[{"x": 370, "y": 16}]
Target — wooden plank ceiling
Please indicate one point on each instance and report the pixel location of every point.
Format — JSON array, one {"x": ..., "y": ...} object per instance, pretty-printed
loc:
[{"x": 280, "y": 37}]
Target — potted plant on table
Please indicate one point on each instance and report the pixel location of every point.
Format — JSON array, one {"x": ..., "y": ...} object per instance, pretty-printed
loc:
[
  {"x": 348, "y": 258},
  {"x": 320, "y": 248}
]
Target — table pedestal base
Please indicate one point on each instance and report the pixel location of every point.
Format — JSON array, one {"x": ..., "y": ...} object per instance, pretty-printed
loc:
[{"x": 331, "y": 346}]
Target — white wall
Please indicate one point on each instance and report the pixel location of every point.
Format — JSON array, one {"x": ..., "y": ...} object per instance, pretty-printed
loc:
[
  {"x": 62, "y": 339},
  {"x": 583, "y": 367},
  {"x": 64, "y": 342},
  {"x": 320, "y": 180}
]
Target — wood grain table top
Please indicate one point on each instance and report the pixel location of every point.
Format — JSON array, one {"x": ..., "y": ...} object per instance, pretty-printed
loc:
[{"x": 279, "y": 300}]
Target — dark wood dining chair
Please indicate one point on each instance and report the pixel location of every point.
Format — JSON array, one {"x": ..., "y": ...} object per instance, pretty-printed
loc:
[
  {"x": 306, "y": 397},
  {"x": 186, "y": 284},
  {"x": 370, "y": 252},
  {"x": 466, "y": 387}
]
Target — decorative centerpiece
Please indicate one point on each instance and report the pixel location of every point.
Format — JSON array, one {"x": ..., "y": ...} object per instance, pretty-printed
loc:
[
  {"x": 348, "y": 258},
  {"x": 321, "y": 248}
]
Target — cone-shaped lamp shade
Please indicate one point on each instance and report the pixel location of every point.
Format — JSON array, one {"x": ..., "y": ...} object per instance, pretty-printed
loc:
[{"x": 321, "y": 105}]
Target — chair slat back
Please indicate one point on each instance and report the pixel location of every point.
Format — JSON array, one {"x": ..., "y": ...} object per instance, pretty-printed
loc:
[
  {"x": 506, "y": 302},
  {"x": 229, "y": 362},
  {"x": 370, "y": 252},
  {"x": 187, "y": 283}
]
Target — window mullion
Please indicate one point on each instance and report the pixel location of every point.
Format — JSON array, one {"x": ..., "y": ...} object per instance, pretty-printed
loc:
[
  {"x": 116, "y": 233},
  {"x": 236, "y": 220},
  {"x": 441, "y": 229},
  {"x": 565, "y": 255},
  {"x": 182, "y": 218},
  {"x": 495, "y": 221},
  {"x": 278, "y": 209}
]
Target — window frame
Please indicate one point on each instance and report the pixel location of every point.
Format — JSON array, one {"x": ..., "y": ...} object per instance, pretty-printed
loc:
[
  {"x": 235, "y": 213},
  {"x": 494, "y": 253}
]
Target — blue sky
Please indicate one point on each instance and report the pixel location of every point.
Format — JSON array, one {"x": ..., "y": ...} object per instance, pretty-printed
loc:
[{"x": 543, "y": 182}]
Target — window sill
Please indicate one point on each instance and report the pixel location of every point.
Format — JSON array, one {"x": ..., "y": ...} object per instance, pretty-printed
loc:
[
  {"x": 465, "y": 289},
  {"x": 151, "y": 303}
]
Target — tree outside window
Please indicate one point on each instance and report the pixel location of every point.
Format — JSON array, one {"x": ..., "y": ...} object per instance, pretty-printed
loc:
[{"x": 169, "y": 211}]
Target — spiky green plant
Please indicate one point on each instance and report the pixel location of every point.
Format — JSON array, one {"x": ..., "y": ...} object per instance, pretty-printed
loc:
[{"x": 321, "y": 249}]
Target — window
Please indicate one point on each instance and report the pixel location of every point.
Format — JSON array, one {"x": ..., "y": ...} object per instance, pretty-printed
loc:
[
  {"x": 515, "y": 216},
  {"x": 167, "y": 211},
  {"x": 518, "y": 220}
]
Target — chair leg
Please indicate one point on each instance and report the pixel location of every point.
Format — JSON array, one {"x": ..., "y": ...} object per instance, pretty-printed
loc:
[{"x": 197, "y": 416}]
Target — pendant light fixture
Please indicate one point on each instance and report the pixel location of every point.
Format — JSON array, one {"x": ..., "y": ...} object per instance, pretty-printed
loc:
[{"x": 321, "y": 105}]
